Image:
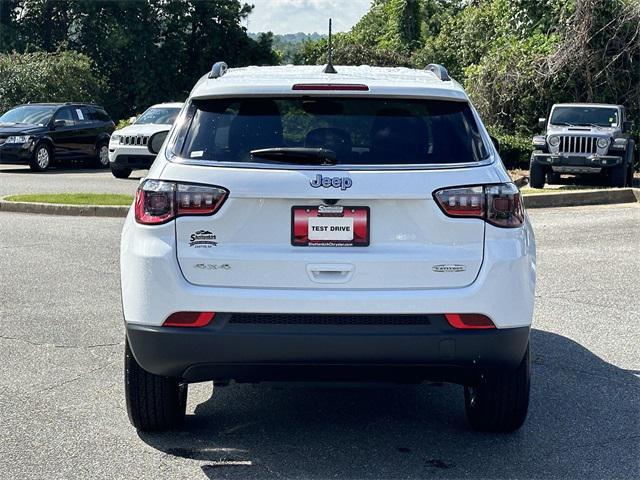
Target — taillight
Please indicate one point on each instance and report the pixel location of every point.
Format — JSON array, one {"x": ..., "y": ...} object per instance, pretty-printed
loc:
[
  {"x": 500, "y": 205},
  {"x": 462, "y": 202},
  {"x": 504, "y": 205},
  {"x": 189, "y": 319},
  {"x": 159, "y": 201},
  {"x": 469, "y": 321}
]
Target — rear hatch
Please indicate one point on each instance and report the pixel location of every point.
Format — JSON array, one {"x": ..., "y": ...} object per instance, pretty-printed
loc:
[{"x": 364, "y": 220}]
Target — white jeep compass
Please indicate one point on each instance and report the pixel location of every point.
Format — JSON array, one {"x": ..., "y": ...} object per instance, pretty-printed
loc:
[{"x": 299, "y": 225}]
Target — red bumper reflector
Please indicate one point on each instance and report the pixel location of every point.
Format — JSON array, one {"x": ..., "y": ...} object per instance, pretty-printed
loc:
[
  {"x": 189, "y": 319},
  {"x": 469, "y": 321}
]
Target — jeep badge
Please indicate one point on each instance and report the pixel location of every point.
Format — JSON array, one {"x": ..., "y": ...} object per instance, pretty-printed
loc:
[{"x": 327, "y": 182}]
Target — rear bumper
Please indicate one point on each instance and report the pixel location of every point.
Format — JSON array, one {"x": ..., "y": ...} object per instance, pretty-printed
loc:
[
  {"x": 253, "y": 353},
  {"x": 566, "y": 163}
]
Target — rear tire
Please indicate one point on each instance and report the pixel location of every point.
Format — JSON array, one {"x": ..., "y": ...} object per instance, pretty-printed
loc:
[
  {"x": 120, "y": 172},
  {"x": 499, "y": 402},
  {"x": 154, "y": 403},
  {"x": 536, "y": 175},
  {"x": 102, "y": 155}
]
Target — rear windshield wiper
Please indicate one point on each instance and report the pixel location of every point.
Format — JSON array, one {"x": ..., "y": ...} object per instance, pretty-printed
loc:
[{"x": 313, "y": 156}]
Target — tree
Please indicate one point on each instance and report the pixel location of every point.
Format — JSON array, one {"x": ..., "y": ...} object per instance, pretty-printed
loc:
[
  {"x": 8, "y": 11},
  {"x": 47, "y": 77},
  {"x": 148, "y": 50}
]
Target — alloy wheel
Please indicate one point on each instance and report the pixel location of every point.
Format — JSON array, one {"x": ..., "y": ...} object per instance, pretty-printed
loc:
[
  {"x": 42, "y": 157},
  {"x": 103, "y": 155}
]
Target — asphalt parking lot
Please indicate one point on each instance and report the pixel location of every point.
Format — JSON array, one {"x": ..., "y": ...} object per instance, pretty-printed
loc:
[
  {"x": 62, "y": 412},
  {"x": 15, "y": 179}
]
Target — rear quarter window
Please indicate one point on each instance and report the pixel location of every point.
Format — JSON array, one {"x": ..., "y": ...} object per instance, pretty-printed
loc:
[{"x": 360, "y": 131}]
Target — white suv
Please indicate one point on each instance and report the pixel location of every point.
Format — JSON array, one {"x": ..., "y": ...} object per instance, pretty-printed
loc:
[
  {"x": 128, "y": 146},
  {"x": 306, "y": 226}
]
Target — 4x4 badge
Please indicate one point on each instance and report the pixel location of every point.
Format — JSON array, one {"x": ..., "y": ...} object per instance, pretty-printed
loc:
[{"x": 327, "y": 182}]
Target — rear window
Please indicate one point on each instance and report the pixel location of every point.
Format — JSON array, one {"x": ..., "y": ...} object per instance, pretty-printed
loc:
[
  {"x": 360, "y": 131},
  {"x": 100, "y": 115}
]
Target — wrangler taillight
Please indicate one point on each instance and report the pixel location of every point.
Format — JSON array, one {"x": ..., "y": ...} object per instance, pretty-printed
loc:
[
  {"x": 158, "y": 201},
  {"x": 499, "y": 205}
]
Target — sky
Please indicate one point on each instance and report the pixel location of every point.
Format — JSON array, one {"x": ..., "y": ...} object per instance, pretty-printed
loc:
[{"x": 308, "y": 16}]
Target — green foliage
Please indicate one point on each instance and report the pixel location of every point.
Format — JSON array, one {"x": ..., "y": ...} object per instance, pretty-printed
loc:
[
  {"x": 514, "y": 57},
  {"x": 515, "y": 150},
  {"x": 505, "y": 85},
  {"x": 288, "y": 47},
  {"x": 347, "y": 52},
  {"x": 48, "y": 77},
  {"x": 148, "y": 51},
  {"x": 125, "y": 122},
  {"x": 392, "y": 25}
]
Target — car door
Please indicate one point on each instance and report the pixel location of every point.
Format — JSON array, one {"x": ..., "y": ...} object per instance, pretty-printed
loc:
[
  {"x": 88, "y": 128},
  {"x": 63, "y": 133}
]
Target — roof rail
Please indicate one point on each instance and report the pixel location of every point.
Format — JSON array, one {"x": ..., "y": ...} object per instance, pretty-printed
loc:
[
  {"x": 218, "y": 70},
  {"x": 439, "y": 71}
]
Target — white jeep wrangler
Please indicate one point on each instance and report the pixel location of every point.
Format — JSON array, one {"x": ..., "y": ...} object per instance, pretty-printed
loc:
[{"x": 584, "y": 139}]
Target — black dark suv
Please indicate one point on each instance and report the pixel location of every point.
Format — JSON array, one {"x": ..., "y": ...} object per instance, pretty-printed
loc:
[{"x": 43, "y": 134}]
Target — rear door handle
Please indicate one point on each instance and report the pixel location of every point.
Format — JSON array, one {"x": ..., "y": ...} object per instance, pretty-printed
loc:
[{"x": 330, "y": 273}]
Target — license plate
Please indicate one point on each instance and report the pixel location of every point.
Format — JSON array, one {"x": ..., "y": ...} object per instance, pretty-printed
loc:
[{"x": 330, "y": 226}]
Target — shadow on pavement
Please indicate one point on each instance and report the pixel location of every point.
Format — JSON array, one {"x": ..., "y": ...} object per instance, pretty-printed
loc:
[
  {"x": 584, "y": 422},
  {"x": 569, "y": 182}
]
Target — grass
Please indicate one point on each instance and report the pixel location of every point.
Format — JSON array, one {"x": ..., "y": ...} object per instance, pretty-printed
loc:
[{"x": 73, "y": 198}]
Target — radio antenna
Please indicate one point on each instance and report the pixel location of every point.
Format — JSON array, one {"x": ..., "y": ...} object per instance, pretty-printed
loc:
[{"x": 329, "y": 67}]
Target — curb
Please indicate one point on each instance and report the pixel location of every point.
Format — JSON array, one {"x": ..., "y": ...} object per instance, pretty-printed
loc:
[
  {"x": 576, "y": 199},
  {"x": 57, "y": 209}
]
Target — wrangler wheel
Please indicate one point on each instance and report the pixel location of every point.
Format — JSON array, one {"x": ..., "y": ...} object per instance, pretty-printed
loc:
[
  {"x": 618, "y": 176},
  {"x": 553, "y": 178},
  {"x": 536, "y": 175}
]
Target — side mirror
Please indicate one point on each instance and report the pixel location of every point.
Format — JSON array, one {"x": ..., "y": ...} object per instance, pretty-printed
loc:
[
  {"x": 59, "y": 123},
  {"x": 156, "y": 140},
  {"x": 627, "y": 126},
  {"x": 496, "y": 143},
  {"x": 133, "y": 119},
  {"x": 542, "y": 122}
]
